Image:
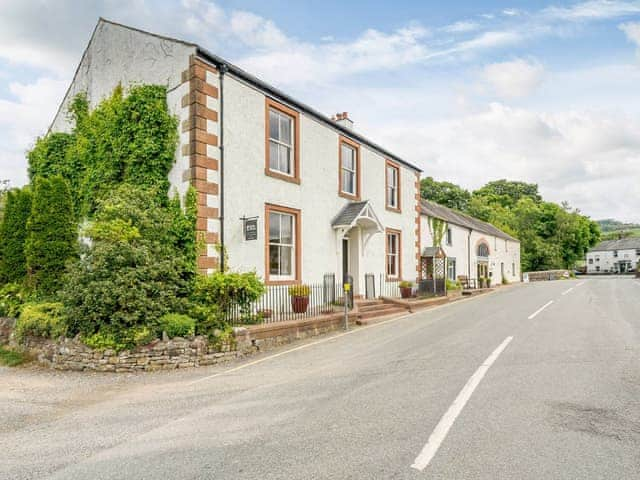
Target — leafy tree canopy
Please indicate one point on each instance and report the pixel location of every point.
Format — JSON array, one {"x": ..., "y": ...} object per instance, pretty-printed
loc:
[{"x": 551, "y": 235}]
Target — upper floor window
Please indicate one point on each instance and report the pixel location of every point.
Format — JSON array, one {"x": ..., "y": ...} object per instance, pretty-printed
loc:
[
  {"x": 449, "y": 236},
  {"x": 349, "y": 181},
  {"x": 638, "y": 251},
  {"x": 483, "y": 250},
  {"x": 282, "y": 142},
  {"x": 393, "y": 186},
  {"x": 615, "y": 253},
  {"x": 591, "y": 261}
]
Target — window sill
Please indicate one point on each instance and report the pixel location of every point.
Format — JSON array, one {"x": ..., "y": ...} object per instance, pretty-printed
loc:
[
  {"x": 393, "y": 209},
  {"x": 348, "y": 196},
  {"x": 282, "y": 176},
  {"x": 281, "y": 282}
]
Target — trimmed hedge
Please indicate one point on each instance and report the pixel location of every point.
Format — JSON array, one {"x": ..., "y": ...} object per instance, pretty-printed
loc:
[
  {"x": 41, "y": 320},
  {"x": 13, "y": 234},
  {"x": 177, "y": 325}
]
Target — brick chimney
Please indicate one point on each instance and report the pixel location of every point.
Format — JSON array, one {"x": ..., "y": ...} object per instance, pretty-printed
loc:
[{"x": 343, "y": 120}]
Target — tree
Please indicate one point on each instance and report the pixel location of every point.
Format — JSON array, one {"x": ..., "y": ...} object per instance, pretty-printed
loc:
[
  {"x": 508, "y": 192},
  {"x": 445, "y": 193},
  {"x": 51, "y": 235},
  {"x": 5, "y": 186},
  {"x": 13, "y": 232}
]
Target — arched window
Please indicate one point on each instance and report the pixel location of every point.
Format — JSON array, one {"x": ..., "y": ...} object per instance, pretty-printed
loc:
[{"x": 483, "y": 250}]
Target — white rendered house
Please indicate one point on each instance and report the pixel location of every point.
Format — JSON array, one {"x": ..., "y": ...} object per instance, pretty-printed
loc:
[
  {"x": 287, "y": 191},
  {"x": 614, "y": 256},
  {"x": 474, "y": 248}
]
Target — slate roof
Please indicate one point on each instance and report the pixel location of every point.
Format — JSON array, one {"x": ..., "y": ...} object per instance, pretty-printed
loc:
[
  {"x": 348, "y": 214},
  {"x": 630, "y": 243},
  {"x": 433, "y": 209},
  {"x": 271, "y": 90}
]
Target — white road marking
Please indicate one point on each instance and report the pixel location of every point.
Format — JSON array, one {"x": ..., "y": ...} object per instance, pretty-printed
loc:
[
  {"x": 533, "y": 315},
  {"x": 581, "y": 283},
  {"x": 446, "y": 422},
  {"x": 567, "y": 291}
]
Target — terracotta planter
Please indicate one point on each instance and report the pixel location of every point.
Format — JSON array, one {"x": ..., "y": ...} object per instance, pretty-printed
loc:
[
  {"x": 405, "y": 292},
  {"x": 299, "y": 304}
]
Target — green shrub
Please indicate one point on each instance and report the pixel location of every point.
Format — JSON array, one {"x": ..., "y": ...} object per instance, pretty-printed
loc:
[
  {"x": 405, "y": 284},
  {"x": 13, "y": 234},
  {"x": 216, "y": 295},
  {"x": 132, "y": 274},
  {"x": 120, "y": 340},
  {"x": 44, "y": 320},
  {"x": 52, "y": 235},
  {"x": 299, "y": 290},
  {"x": 11, "y": 300},
  {"x": 177, "y": 325},
  {"x": 451, "y": 285},
  {"x": 505, "y": 281}
]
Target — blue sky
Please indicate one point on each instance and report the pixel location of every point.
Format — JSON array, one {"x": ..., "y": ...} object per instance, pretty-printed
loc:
[{"x": 545, "y": 92}]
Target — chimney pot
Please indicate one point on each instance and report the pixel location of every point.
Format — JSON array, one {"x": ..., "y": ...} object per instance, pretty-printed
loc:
[{"x": 343, "y": 120}]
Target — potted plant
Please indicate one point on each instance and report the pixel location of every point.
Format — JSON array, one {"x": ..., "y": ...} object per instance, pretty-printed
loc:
[
  {"x": 488, "y": 279},
  {"x": 483, "y": 282},
  {"x": 406, "y": 288},
  {"x": 299, "y": 298}
]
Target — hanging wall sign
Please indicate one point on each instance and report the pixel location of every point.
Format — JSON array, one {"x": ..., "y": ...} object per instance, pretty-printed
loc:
[{"x": 251, "y": 228}]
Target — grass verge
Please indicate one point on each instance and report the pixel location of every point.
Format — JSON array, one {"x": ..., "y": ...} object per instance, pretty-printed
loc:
[{"x": 11, "y": 358}]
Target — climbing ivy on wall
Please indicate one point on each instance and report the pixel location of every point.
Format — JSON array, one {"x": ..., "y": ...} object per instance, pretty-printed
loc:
[
  {"x": 125, "y": 139},
  {"x": 438, "y": 228}
]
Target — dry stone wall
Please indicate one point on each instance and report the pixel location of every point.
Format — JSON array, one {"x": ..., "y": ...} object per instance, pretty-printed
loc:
[{"x": 71, "y": 354}]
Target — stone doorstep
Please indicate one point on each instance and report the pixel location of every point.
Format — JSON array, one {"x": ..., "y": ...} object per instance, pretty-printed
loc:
[{"x": 278, "y": 329}]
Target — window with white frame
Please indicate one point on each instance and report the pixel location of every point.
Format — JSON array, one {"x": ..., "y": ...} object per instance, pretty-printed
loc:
[
  {"x": 281, "y": 147},
  {"x": 282, "y": 255},
  {"x": 349, "y": 167},
  {"x": 451, "y": 269},
  {"x": 393, "y": 197},
  {"x": 393, "y": 254},
  {"x": 449, "y": 238}
]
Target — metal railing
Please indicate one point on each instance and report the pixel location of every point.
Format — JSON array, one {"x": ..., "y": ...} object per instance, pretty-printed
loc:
[{"x": 277, "y": 305}]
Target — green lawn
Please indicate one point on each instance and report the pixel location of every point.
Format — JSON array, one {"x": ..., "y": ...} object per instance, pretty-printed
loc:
[{"x": 11, "y": 358}]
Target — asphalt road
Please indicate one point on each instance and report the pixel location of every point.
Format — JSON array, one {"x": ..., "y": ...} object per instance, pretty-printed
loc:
[{"x": 484, "y": 388}]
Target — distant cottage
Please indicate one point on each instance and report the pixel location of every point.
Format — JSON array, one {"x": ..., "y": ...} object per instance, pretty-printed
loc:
[
  {"x": 614, "y": 256},
  {"x": 287, "y": 191}
]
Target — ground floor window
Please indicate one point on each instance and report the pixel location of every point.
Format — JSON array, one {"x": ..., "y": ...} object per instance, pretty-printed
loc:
[
  {"x": 282, "y": 243},
  {"x": 393, "y": 253},
  {"x": 451, "y": 269}
]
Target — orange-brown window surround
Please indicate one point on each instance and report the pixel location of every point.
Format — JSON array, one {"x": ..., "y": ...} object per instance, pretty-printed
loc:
[
  {"x": 393, "y": 254},
  {"x": 349, "y": 172},
  {"x": 282, "y": 244},
  {"x": 282, "y": 142},
  {"x": 392, "y": 186}
]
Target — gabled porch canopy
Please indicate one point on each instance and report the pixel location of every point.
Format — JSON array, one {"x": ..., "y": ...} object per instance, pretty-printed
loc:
[{"x": 357, "y": 214}]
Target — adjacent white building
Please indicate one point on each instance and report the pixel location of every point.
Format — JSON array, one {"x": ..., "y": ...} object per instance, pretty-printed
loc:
[
  {"x": 288, "y": 192},
  {"x": 474, "y": 248},
  {"x": 614, "y": 256}
]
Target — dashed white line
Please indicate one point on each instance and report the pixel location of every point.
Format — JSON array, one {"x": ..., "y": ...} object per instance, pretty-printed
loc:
[
  {"x": 581, "y": 283},
  {"x": 446, "y": 422},
  {"x": 533, "y": 315},
  {"x": 567, "y": 291}
]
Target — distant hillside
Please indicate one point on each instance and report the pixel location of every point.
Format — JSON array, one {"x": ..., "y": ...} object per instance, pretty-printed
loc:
[{"x": 611, "y": 225}]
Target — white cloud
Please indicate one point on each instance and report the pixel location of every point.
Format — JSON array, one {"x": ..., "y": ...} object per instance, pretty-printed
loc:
[
  {"x": 517, "y": 78},
  {"x": 593, "y": 10},
  {"x": 461, "y": 27},
  {"x": 588, "y": 158},
  {"x": 256, "y": 31},
  {"x": 632, "y": 31}
]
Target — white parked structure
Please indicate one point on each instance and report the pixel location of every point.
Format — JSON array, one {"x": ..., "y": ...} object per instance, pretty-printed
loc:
[
  {"x": 614, "y": 256},
  {"x": 287, "y": 191},
  {"x": 474, "y": 249}
]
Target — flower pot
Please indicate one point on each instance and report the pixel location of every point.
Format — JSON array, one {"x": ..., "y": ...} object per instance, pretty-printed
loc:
[
  {"x": 299, "y": 304},
  {"x": 405, "y": 292}
]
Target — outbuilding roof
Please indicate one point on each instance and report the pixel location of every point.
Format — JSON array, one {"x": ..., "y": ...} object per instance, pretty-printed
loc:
[
  {"x": 449, "y": 215},
  {"x": 629, "y": 243}
]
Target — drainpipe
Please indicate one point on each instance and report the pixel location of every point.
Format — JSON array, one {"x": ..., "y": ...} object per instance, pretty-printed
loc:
[
  {"x": 469, "y": 256},
  {"x": 223, "y": 69}
]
